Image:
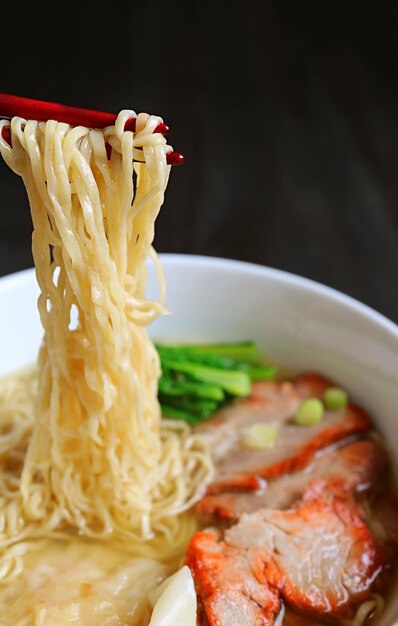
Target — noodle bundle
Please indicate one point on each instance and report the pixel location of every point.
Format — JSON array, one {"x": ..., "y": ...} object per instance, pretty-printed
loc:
[{"x": 93, "y": 457}]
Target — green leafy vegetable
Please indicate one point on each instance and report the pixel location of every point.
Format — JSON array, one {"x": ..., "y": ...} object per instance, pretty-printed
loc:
[
  {"x": 245, "y": 351},
  {"x": 235, "y": 382},
  {"x": 177, "y": 414},
  {"x": 198, "y": 379},
  {"x": 267, "y": 372},
  {"x": 171, "y": 387}
]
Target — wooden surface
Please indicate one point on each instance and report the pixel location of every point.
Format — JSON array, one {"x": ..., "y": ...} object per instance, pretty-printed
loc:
[{"x": 287, "y": 114}]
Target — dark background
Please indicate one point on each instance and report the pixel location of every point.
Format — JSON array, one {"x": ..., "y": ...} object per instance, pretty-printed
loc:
[{"x": 286, "y": 112}]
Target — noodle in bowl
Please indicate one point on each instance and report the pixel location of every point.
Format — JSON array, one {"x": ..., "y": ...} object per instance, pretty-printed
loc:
[{"x": 298, "y": 323}]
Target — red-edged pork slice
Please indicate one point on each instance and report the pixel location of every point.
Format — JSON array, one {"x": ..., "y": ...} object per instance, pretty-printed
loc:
[
  {"x": 311, "y": 384},
  {"x": 238, "y": 467},
  {"x": 230, "y": 583},
  {"x": 349, "y": 469},
  {"x": 320, "y": 555}
]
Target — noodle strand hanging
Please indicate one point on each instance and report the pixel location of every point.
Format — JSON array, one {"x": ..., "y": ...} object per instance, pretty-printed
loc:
[{"x": 98, "y": 460}]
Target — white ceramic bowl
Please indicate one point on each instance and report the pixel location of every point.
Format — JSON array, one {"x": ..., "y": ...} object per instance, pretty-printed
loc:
[{"x": 297, "y": 322}]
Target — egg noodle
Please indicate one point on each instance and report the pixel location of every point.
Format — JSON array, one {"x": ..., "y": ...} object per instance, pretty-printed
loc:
[{"x": 82, "y": 446}]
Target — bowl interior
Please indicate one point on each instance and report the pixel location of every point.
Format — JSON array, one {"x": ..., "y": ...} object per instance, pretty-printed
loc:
[{"x": 297, "y": 322}]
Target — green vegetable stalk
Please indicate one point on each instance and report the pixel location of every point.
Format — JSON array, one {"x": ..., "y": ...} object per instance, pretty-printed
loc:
[{"x": 199, "y": 379}]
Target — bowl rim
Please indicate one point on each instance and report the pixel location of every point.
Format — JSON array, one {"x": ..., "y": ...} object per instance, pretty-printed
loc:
[{"x": 288, "y": 278}]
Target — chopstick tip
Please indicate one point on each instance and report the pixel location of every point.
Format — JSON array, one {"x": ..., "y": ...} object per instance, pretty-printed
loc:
[
  {"x": 175, "y": 158},
  {"x": 162, "y": 128}
]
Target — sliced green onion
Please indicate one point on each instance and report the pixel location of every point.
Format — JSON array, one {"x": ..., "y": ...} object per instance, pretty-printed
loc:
[
  {"x": 335, "y": 398},
  {"x": 309, "y": 413},
  {"x": 260, "y": 436}
]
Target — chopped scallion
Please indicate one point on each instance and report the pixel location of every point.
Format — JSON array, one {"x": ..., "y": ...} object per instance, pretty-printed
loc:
[
  {"x": 260, "y": 436},
  {"x": 309, "y": 413},
  {"x": 335, "y": 398}
]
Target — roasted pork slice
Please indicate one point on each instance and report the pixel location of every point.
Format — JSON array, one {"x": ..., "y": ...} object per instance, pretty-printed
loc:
[
  {"x": 348, "y": 469},
  {"x": 230, "y": 583},
  {"x": 381, "y": 516},
  {"x": 275, "y": 403},
  {"x": 311, "y": 384},
  {"x": 320, "y": 555}
]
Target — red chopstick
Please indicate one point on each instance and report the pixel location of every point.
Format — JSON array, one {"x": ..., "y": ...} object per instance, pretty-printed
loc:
[
  {"x": 42, "y": 111},
  {"x": 39, "y": 110}
]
